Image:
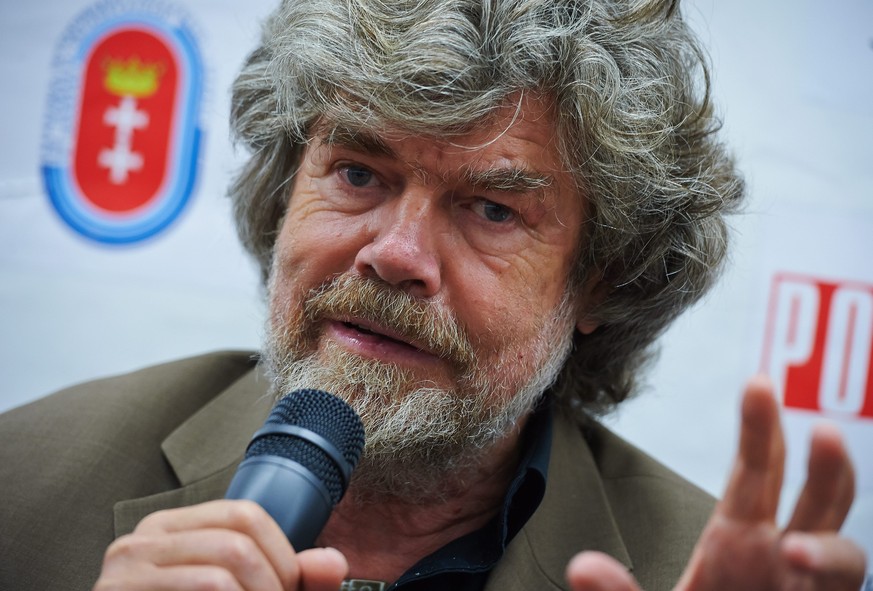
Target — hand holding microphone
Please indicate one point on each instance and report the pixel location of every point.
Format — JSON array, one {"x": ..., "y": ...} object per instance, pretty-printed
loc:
[{"x": 298, "y": 466}]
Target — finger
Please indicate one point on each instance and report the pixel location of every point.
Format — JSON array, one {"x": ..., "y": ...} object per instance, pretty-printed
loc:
[
  {"x": 322, "y": 569},
  {"x": 829, "y": 490},
  {"x": 177, "y": 578},
  {"x": 753, "y": 490},
  {"x": 832, "y": 562},
  {"x": 233, "y": 552},
  {"x": 595, "y": 571},
  {"x": 245, "y": 517}
]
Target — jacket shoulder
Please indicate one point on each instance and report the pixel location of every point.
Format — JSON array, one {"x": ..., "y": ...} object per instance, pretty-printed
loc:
[{"x": 66, "y": 459}]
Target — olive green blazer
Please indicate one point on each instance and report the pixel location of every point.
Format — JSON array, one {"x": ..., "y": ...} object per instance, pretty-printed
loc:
[{"x": 81, "y": 467}]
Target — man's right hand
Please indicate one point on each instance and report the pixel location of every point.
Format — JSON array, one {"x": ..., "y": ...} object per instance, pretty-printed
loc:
[{"x": 220, "y": 545}]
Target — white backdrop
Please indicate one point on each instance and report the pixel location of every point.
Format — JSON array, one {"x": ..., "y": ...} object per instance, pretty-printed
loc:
[{"x": 795, "y": 86}]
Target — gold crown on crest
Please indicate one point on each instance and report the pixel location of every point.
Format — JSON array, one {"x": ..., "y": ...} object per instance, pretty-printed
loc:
[{"x": 132, "y": 77}]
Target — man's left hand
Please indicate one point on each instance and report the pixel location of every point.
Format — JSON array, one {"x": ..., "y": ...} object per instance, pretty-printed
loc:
[{"x": 741, "y": 547}]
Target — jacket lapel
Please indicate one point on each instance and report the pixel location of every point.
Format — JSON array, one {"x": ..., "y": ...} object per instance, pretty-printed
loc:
[
  {"x": 574, "y": 515},
  {"x": 205, "y": 450}
]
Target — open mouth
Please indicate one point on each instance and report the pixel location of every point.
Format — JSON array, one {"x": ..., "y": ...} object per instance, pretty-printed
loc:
[
  {"x": 371, "y": 333},
  {"x": 369, "y": 340}
]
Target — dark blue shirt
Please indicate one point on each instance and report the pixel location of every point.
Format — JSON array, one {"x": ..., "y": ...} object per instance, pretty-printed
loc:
[{"x": 464, "y": 564}]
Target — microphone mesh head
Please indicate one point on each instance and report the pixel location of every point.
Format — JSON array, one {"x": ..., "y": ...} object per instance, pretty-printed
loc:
[{"x": 326, "y": 415}]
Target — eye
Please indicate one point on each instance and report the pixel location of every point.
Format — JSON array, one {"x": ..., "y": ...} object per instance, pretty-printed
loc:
[
  {"x": 493, "y": 212},
  {"x": 357, "y": 176}
]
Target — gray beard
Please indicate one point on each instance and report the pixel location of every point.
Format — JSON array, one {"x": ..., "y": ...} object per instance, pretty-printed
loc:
[{"x": 422, "y": 442}]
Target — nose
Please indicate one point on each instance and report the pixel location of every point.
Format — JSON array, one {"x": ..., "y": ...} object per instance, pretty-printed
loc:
[{"x": 403, "y": 251}]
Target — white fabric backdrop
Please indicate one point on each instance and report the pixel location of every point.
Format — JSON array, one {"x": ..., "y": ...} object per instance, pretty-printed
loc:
[{"x": 793, "y": 82}]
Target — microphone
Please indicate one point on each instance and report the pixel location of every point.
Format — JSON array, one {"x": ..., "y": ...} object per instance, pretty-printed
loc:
[{"x": 298, "y": 465}]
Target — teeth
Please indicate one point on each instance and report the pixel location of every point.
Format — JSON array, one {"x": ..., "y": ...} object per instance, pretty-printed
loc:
[
  {"x": 360, "y": 328},
  {"x": 364, "y": 330}
]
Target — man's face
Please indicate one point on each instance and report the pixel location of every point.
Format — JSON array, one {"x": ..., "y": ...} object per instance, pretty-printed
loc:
[{"x": 425, "y": 280}]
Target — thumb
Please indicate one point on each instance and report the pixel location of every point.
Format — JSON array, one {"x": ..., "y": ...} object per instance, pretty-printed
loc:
[
  {"x": 321, "y": 569},
  {"x": 595, "y": 571}
]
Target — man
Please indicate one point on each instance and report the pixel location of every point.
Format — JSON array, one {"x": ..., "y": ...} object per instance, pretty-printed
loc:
[{"x": 473, "y": 219}]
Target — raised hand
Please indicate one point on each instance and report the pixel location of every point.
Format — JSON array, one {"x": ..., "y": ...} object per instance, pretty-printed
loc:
[
  {"x": 227, "y": 545},
  {"x": 742, "y": 548}
]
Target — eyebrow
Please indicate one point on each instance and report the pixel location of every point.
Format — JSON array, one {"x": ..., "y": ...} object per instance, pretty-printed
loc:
[
  {"x": 358, "y": 141},
  {"x": 508, "y": 180},
  {"x": 501, "y": 180}
]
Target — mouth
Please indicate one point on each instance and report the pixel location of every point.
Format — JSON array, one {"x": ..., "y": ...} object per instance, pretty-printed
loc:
[
  {"x": 374, "y": 341},
  {"x": 371, "y": 331}
]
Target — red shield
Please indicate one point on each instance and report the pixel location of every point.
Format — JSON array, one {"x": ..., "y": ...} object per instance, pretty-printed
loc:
[{"x": 124, "y": 131}]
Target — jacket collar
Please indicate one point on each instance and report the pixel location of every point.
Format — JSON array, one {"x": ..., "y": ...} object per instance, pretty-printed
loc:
[{"x": 205, "y": 450}]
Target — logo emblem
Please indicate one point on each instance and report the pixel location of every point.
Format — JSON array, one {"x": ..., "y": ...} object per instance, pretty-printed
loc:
[{"x": 122, "y": 130}]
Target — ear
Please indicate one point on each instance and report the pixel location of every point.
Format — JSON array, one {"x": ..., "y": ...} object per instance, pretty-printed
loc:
[
  {"x": 587, "y": 324},
  {"x": 592, "y": 294}
]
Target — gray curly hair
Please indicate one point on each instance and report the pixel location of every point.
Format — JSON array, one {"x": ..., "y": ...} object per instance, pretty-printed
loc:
[{"x": 635, "y": 127}]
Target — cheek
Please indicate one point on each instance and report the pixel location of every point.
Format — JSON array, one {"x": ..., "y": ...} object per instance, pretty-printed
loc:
[
  {"x": 508, "y": 314},
  {"x": 315, "y": 245},
  {"x": 514, "y": 296},
  {"x": 497, "y": 318}
]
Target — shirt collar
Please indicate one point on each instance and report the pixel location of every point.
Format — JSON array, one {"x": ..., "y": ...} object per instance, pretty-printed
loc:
[{"x": 477, "y": 552}]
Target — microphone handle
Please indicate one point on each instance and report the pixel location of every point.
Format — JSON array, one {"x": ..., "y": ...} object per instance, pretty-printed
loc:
[{"x": 289, "y": 492}]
